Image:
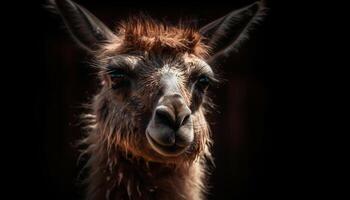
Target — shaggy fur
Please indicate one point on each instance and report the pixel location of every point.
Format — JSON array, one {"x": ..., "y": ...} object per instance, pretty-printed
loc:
[
  {"x": 121, "y": 163},
  {"x": 144, "y": 34}
]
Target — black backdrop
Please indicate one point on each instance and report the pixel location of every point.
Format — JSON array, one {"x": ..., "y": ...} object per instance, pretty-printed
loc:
[{"x": 250, "y": 127}]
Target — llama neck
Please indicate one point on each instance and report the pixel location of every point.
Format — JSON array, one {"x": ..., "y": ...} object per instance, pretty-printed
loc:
[{"x": 131, "y": 179}]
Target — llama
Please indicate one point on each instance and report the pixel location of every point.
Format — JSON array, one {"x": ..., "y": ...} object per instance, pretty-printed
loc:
[{"x": 148, "y": 135}]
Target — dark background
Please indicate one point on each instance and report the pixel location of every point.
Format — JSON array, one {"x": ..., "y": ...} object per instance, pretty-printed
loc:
[{"x": 254, "y": 126}]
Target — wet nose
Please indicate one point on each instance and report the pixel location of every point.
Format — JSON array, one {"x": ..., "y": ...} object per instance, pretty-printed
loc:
[
  {"x": 172, "y": 111},
  {"x": 171, "y": 125}
]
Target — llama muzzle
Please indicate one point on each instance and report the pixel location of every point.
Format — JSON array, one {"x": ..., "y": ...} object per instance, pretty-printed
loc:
[{"x": 170, "y": 131}]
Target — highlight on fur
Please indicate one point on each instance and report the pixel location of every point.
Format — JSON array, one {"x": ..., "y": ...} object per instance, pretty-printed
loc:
[{"x": 145, "y": 34}]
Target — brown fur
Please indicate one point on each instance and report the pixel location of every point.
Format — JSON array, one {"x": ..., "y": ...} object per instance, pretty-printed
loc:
[
  {"x": 144, "y": 34},
  {"x": 121, "y": 163}
]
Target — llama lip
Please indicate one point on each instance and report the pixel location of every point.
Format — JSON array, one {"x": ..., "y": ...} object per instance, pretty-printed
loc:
[{"x": 169, "y": 151}]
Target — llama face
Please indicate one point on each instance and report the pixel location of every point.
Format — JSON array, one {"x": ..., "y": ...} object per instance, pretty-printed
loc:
[
  {"x": 159, "y": 75},
  {"x": 155, "y": 103}
]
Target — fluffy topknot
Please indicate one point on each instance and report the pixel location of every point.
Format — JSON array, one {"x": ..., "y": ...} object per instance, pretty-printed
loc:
[{"x": 142, "y": 33}]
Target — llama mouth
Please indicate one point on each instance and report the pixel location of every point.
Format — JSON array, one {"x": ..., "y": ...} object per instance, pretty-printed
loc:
[{"x": 169, "y": 151}]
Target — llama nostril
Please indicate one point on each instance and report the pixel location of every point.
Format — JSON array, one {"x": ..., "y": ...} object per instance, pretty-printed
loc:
[
  {"x": 184, "y": 120},
  {"x": 184, "y": 116},
  {"x": 165, "y": 117}
]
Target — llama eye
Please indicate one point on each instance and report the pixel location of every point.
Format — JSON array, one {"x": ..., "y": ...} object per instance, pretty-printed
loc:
[
  {"x": 203, "y": 81},
  {"x": 118, "y": 78},
  {"x": 117, "y": 73}
]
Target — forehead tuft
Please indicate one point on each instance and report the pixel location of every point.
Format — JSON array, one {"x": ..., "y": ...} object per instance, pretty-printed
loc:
[{"x": 145, "y": 34}]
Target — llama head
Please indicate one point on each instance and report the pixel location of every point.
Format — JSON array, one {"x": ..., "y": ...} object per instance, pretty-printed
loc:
[{"x": 154, "y": 79}]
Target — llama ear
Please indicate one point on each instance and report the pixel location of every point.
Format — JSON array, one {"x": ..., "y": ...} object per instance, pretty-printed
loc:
[
  {"x": 227, "y": 33},
  {"x": 84, "y": 27}
]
